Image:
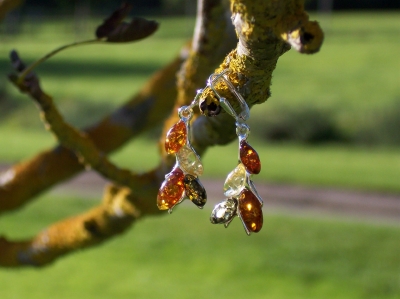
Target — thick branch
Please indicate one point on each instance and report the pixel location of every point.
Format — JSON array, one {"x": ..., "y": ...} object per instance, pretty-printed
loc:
[
  {"x": 118, "y": 211},
  {"x": 77, "y": 141},
  {"x": 261, "y": 27},
  {"x": 214, "y": 37}
]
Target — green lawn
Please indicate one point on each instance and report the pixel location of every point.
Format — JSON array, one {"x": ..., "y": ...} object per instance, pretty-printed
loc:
[
  {"x": 355, "y": 68},
  {"x": 356, "y": 168},
  {"x": 183, "y": 256},
  {"x": 354, "y": 76},
  {"x": 373, "y": 169}
]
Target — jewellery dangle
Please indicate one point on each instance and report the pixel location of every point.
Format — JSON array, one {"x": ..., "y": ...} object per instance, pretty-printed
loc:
[
  {"x": 182, "y": 182},
  {"x": 242, "y": 197}
]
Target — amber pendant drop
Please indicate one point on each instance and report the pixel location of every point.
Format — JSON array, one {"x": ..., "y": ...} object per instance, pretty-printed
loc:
[
  {"x": 189, "y": 161},
  {"x": 250, "y": 211},
  {"x": 194, "y": 190},
  {"x": 176, "y": 137},
  {"x": 224, "y": 212},
  {"x": 235, "y": 181},
  {"x": 249, "y": 158},
  {"x": 243, "y": 199},
  {"x": 171, "y": 191},
  {"x": 182, "y": 182}
]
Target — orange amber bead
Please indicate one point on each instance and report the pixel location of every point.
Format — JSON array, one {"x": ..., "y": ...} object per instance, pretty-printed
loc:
[
  {"x": 171, "y": 190},
  {"x": 176, "y": 137},
  {"x": 250, "y": 211},
  {"x": 249, "y": 158}
]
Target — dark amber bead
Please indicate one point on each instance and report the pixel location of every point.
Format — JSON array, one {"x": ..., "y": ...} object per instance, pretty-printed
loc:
[
  {"x": 176, "y": 137},
  {"x": 171, "y": 190},
  {"x": 194, "y": 190},
  {"x": 249, "y": 158},
  {"x": 250, "y": 211}
]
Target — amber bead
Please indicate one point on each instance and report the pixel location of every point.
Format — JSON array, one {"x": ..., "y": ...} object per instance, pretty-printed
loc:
[
  {"x": 194, "y": 190},
  {"x": 249, "y": 158},
  {"x": 235, "y": 181},
  {"x": 176, "y": 137},
  {"x": 171, "y": 190},
  {"x": 250, "y": 211},
  {"x": 190, "y": 161},
  {"x": 224, "y": 211}
]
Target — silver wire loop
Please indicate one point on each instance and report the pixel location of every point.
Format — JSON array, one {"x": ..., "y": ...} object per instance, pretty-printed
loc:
[
  {"x": 242, "y": 130},
  {"x": 185, "y": 113}
]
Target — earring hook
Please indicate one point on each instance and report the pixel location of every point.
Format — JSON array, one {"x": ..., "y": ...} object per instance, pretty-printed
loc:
[{"x": 245, "y": 111}]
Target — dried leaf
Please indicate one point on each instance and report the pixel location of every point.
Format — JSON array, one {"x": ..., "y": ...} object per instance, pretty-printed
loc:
[
  {"x": 116, "y": 31},
  {"x": 112, "y": 22},
  {"x": 137, "y": 29}
]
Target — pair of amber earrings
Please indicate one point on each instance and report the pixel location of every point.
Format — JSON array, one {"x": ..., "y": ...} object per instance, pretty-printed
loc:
[{"x": 183, "y": 181}]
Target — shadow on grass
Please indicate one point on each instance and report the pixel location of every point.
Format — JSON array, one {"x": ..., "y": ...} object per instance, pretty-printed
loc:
[
  {"x": 68, "y": 68},
  {"x": 19, "y": 112}
]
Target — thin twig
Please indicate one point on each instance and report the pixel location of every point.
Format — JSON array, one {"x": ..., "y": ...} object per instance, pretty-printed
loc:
[{"x": 31, "y": 67}]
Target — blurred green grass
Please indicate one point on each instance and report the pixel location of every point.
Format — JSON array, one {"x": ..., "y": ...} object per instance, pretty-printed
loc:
[
  {"x": 370, "y": 169},
  {"x": 183, "y": 256},
  {"x": 330, "y": 166},
  {"x": 354, "y": 76}
]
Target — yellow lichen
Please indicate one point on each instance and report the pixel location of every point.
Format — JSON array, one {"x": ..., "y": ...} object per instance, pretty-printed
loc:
[{"x": 264, "y": 28}]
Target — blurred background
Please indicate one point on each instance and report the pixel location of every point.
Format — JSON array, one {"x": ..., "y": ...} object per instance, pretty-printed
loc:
[{"x": 331, "y": 127}]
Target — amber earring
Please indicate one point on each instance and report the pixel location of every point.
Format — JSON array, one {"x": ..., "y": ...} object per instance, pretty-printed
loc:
[
  {"x": 182, "y": 182},
  {"x": 242, "y": 197}
]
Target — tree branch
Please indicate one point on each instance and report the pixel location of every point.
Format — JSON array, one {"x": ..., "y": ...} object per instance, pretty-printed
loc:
[
  {"x": 146, "y": 110},
  {"x": 264, "y": 29},
  {"x": 117, "y": 212},
  {"x": 75, "y": 140},
  {"x": 214, "y": 37}
]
